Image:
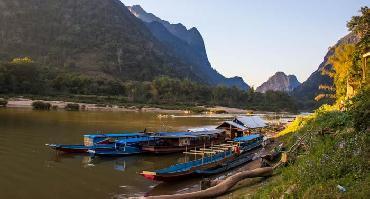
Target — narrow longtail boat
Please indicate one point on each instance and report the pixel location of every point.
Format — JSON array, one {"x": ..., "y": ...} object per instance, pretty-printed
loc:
[
  {"x": 123, "y": 147},
  {"x": 96, "y": 142},
  {"x": 246, "y": 144},
  {"x": 217, "y": 159},
  {"x": 172, "y": 142}
]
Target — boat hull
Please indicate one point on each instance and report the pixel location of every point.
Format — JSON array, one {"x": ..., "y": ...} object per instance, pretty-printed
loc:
[
  {"x": 128, "y": 150},
  {"x": 78, "y": 148},
  {"x": 171, "y": 149},
  {"x": 173, "y": 176}
]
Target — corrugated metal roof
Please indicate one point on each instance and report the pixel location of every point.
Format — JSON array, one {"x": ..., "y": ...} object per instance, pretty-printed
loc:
[
  {"x": 236, "y": 125},
  {"x": 250, "y": 121}
]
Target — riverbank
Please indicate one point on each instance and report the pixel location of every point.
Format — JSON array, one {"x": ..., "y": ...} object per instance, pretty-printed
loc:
[
  {"x": 23, "y": 102},
  {"x": 331, "y": 160}
]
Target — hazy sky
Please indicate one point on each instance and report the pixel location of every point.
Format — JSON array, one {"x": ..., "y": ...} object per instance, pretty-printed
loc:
[{"x": 254, "y": 39}]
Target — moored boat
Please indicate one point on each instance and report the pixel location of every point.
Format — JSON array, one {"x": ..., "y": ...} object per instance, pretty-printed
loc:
[
  {"x": 172, "y": 142},
  {"x": 217, "y": 159},
  {"x": 96, "y": 142},
  {"x": 123, "y": 147}
]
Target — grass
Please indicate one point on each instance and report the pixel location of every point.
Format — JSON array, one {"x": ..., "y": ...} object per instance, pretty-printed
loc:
[{"x": 333, "y": 153}]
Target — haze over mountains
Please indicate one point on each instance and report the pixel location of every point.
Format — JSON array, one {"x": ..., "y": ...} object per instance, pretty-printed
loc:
[
  {"x": 187, "y": 45},
  {"x": 279, "y": 82}
]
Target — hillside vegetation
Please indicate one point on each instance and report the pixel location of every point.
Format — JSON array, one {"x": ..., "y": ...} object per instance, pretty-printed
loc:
[
  {"x": 23, "y": 76},
  {"x": 332, "y": 160},
  {"x": 92, "y": 47},
  {"x": 91, "y": 37}
]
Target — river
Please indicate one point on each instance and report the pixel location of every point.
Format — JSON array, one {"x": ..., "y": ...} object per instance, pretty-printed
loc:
[{"x": 28, "y": 169}]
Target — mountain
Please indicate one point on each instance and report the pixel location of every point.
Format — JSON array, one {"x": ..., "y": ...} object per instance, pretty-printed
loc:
[
  {"x": 187, "y": 45},
  {"x": 279, "y": 82},
  {"x": 92, "y": 37},
  {"x": 308, "y": 90}
]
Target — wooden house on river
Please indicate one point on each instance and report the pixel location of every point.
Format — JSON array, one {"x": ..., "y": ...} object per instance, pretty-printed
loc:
[{"x": 243, "y": 125}]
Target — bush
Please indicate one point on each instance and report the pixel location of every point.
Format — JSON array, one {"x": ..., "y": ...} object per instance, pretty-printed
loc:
[
  {"x": 198, "y": 109},
  {"x": 3, "y": 102},
  {"x": 40, "y": 105},
  {"x": 221, "y": 112},
  {"x": 72, "y": 107}
]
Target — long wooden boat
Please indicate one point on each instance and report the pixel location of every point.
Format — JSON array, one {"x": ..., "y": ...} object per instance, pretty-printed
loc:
[
  {"x": 232, "y": 155},
  {"x": 172, "y": 142},
  {"x": 124, "y": 147},
  {"x": 96, "y": 142},
  {"x": 78, "y": 148}
]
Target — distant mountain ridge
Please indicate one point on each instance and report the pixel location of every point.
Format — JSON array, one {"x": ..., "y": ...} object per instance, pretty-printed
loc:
[
  {"x": 279, "y": 82},
  {"x": 187, "y": 45}
]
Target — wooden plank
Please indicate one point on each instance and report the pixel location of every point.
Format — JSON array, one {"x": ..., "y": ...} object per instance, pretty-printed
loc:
[
  {"x": 193, "y": 153},
  {"x": 203, "y": 152}
]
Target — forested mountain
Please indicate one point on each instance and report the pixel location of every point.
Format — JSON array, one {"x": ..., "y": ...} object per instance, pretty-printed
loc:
[
  {"x": 75, "y": 48},
  {"x": 279, "y": 82},
  {"x": 187, "y": 45},
  {"x": 308, "y": 90},
  {"x": 93, "y": 37}
]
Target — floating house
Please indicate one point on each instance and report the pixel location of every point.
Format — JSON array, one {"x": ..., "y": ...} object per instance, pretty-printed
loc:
[
  {"x": 171, "y": 142},
  {"x": 242, "y": 125}
]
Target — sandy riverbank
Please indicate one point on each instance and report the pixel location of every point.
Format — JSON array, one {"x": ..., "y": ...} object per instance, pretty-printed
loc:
[{"x": 27, "y": 103}]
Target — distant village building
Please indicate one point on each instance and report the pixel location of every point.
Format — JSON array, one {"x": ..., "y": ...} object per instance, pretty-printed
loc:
[{"x": 243, "y": 125}]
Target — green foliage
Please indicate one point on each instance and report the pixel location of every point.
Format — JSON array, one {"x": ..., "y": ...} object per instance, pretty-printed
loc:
[
  {"x": 72, "y": 107},
  {"x": 15, "y": 79},
  {"x": 198, "y": 109},
  {"x": 360, "y": 24},
  {"x": 334, "y": 153},
  {"x": 359, "y": 108},
  {"x": 40, "y": 105},
  {"x": 342, "y": 62}
]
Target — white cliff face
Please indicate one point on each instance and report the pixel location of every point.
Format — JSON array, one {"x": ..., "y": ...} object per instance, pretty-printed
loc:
[{"x": 279, "y": 82}]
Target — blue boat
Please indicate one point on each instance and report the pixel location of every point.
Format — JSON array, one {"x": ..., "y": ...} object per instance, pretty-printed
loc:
[
  {"x": 223, "y": 157},
  {"x": 123, "y": 147},
  {"x": 96, "y": 142}
]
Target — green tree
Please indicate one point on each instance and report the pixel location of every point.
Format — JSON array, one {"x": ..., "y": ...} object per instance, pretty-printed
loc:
[{"x": 342, "y": 62}]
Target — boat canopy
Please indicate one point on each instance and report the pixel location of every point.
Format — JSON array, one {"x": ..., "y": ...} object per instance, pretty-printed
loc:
[
  {"x": 134, "y": 140},
  {"x": 247, "y": 138},
  {"x": 113, "y": 135},
  {"x": 186, "y": 134},
  {"x": 201, "y": 129}
]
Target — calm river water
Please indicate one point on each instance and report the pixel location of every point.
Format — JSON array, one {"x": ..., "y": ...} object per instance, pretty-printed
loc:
[{"x": 28, "y": 169}]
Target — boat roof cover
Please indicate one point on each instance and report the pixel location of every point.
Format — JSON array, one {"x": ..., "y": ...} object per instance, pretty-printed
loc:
[
  {"x": 134, "y": 140},
  {"x": 247, "y": 138},
  {"x": 200, "y": 129},
  {"x": 113, "y": 135},
  {"x": 186, "y": 134}
]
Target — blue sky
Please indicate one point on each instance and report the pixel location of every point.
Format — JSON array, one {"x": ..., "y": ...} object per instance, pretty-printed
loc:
[{"x": 254, "y": 39}]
